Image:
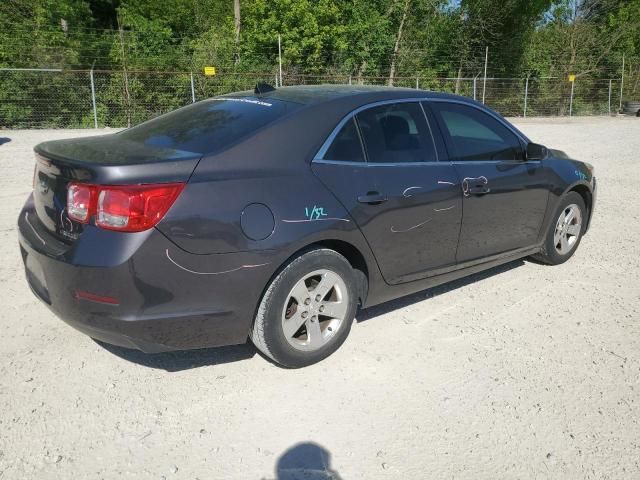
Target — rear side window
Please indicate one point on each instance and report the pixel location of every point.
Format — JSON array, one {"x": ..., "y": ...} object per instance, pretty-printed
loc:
[
  {"x": 397, "y": 133},
  {"x": 208, "y": 126},
  {"x": 475, "y": 135},
  {"x": 346, "y": 146}
]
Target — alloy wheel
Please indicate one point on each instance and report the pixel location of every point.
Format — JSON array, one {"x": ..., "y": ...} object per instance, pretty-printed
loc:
[
  {"x": 315, "y": 310},
  {"x": 568, "y": 229}
]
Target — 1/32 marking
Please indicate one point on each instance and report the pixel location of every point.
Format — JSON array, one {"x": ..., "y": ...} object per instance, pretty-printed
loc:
[{"x": 315, "y": 213}]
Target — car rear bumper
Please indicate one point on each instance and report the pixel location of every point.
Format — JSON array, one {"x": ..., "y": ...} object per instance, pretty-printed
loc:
[{"x": 140, "y": 290}]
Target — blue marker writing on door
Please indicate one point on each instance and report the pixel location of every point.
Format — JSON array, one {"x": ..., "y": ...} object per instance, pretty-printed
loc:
[{"x": 315, "y": 213}]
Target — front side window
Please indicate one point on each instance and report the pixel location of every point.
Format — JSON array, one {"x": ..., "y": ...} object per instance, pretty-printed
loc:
[
  {"x": 397, "y": 133},
  {"x": 346, "y": 146},
  {"x": 475, "y": 135}
]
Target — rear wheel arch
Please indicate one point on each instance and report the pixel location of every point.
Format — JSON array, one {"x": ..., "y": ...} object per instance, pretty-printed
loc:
[
  {"x": 350, "y": 252},
  {"x": 355, "y": 258}
]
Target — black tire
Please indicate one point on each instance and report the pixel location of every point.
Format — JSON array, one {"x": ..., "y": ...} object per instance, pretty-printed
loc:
[
  {"x": 267, "y": 332},
  {"x": 631, "y": 108},
  {"x": 549, "y": 254}
]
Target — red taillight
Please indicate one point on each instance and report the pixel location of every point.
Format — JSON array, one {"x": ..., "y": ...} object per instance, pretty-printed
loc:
[
  {"x": 80, "y": 202},
  {"x": 134, "y": 208},
  {"x": 130, "y": 208}
]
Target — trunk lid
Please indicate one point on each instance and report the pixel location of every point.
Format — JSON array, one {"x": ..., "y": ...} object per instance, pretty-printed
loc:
[{"x": 103, "y": 160}]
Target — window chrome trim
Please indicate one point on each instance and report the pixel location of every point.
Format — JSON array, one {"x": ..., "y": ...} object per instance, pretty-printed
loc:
[
  {"x": 515, "y": 162},
  {"x": 363, "y": 147},
  {"x": 327, "y": 143},
  {"x": 339, "y": 162},
  {"x": 378, "y": 164}
]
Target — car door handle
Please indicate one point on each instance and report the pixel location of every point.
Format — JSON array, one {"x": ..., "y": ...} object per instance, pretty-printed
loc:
[
  {"x": 475, "y": 186},
  {"x": 372, "y": 198},
  {"x": 479, "y": 190}
]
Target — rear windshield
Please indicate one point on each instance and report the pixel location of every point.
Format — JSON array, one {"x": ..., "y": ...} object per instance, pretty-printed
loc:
[{"x": 208, "y": 126}]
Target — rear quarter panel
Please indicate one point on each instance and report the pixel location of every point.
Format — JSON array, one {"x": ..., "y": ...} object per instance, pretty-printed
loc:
[
  {"x": 273, "y": 169},
  {"x": 207, "y": 218}
]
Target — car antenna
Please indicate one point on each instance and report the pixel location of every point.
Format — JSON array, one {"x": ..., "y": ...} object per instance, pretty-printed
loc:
[{"x": 263, "y": 88}]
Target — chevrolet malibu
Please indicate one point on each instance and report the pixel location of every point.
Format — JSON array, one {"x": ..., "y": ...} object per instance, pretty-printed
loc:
[{"x": 275, "y": 214}]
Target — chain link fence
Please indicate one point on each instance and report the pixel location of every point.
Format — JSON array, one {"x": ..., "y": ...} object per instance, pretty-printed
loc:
[{"x": 48, "y": 98}]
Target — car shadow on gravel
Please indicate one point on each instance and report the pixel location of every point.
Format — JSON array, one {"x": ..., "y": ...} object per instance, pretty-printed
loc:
[
  {"x": 369, "y": 313},
  {"x": 183, "y": 360},
  {"x": 4, "y": 140}
]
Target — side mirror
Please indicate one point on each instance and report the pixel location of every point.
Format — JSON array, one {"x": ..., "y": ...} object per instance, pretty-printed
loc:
[{"x": 536, "y": 151}]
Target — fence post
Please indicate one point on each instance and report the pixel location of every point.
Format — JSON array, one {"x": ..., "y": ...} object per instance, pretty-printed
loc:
[
  {"x": 417, "y": 82},
  {"x": 609, "y": 96},
  {"x": 126, "y": 76},
  {"x": 526, "y": 95},
  {"x": 93, "y": 100},
  {"x": 193, "y": 90},
  {"x": 280, "y": 58},
  {"x": 486, "y": 59},
  {"x": 349, "y": 79},
  {"x": 474, "y": 86},
  {"x": 622, "y": 82},
  {"x": 571, "y": 99}
]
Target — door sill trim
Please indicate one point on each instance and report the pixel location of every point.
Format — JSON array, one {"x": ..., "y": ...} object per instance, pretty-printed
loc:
[{"x": 451, "y": 268}]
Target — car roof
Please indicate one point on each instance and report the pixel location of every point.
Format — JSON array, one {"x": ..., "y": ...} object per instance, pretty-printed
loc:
[
  {"x": 317, "y": 94},
  {"x": 320, "y": 109}
]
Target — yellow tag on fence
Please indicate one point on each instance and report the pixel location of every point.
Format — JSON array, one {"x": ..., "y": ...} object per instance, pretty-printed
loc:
[
  {"x": 209, "y": 71},
  {"x": 572, "y": 78}
]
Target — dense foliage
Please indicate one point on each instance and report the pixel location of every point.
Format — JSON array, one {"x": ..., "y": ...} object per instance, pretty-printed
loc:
[{"x": 382, "y": 41}]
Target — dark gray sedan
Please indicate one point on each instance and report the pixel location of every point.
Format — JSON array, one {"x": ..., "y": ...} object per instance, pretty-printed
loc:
[{"x": 273, "y": 215}]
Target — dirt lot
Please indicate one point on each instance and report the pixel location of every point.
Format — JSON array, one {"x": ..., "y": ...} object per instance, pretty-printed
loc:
[{"x": 524, "y": 371}]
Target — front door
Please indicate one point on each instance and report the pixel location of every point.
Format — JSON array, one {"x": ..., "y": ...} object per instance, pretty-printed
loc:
[
  {"x": 504, "y": 196},
  {"x": 406, "y": 202}
]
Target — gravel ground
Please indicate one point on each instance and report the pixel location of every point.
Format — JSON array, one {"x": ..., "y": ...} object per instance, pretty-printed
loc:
[{"x": 524, "y": 371}]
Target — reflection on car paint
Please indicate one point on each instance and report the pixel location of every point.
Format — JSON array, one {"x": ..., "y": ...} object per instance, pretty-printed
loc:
[
  {"x": 241, "y": 267},
  {"x": 406, "y": 190},
  {"x": 247, "y": 100},
  {"x": 26, "y": 217},
  {"x": 444, "y": 209},
  {"x": 394, "y": 230}
]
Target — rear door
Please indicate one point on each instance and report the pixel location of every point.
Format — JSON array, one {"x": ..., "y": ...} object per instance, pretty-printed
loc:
[
  {"x": 504, "y": 195},
  {"x": 405, "y": 201}
]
